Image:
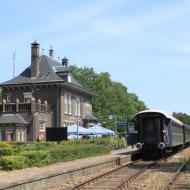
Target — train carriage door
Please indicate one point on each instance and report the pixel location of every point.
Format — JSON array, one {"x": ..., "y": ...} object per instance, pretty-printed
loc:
[{"x": 149, "y": 126}]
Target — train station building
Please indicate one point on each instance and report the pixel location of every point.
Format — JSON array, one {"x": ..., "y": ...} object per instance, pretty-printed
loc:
[{"x": 44, "y": 95}]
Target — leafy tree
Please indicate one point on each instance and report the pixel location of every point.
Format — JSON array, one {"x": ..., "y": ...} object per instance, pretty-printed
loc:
[
  {"x": 112, "y": 97},
  {"x": 182, "y": 117}
]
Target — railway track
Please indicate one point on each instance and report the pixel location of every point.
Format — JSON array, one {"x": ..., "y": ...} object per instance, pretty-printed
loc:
[
  {"x": 117, "y": 178},
  {"x": 157, "y": 175},
  {"x": 180, "y": 179}
]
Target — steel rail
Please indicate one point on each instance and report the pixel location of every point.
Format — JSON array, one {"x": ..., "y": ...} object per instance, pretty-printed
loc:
[
  {"x": 121, "y": 186},
  {"x": 80, "y": 186},
  {"x": 99, "y": 177},
  {"x": 127, "y": 180},
  {"x": 173, "y": 178}
]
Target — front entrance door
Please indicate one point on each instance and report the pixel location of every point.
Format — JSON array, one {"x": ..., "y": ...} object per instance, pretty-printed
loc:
[{"x": 9, "y": 134}]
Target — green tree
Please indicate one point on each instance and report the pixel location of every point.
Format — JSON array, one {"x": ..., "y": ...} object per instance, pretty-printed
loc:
[
  {"x": 182, "y": 117},
  {"x": 112, "y": 97}
]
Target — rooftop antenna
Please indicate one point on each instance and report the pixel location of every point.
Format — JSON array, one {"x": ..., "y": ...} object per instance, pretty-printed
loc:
[{"x": 14, "y": 63}]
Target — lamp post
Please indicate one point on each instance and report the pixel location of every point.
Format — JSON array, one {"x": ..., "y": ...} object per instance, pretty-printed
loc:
[
  {"x": 78, "y": 122},
  {"x": 114, "y": 117}
]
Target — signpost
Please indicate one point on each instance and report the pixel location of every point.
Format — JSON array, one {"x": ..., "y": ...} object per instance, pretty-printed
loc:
[
  {"x": 119, "y": 125},
  {"x": 122, "y": 124}
]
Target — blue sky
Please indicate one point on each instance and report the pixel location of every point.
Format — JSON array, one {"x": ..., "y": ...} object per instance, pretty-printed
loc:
[{"x": 144, "y": 44}]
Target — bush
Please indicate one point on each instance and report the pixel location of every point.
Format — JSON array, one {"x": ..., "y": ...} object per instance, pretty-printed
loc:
[
  {"x": 44, "y": 145},
  {"x": 29, "y": 146},
  {"x": 43, "y": 153},
  {"x": 13, "y": 162},
  {"x": 77, "y": 152},
  {"x": 37, "y": 157},
  {"x": 121, "y": 143},
  {"x": 59, "y": 154},
  {"x": 6, "y": 151},
  {"x": 4, "y": 144},
  {"x": 22, "y": 146}
]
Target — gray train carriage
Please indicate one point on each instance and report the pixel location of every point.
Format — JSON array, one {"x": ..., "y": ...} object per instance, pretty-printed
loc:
[
  {"x": 156, "y": 131},
  {"x": 175, "y": 133},
  {"x": 187, "y": 134}
]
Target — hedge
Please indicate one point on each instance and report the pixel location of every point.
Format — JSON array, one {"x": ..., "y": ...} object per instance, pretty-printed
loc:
[
  {"x": 22, "y": 146},
  {"x": 6, "y": 151},
  {"x": 43, "y": 153},
  {"x": 45, "y": 145},
  {"x": 30, "y": 146},
  {"x": 13, "y": 162},
  {"x": 37, "y": 158},
  {"x": 4, "y": 144},
  {"x": 77, "y": 152}
]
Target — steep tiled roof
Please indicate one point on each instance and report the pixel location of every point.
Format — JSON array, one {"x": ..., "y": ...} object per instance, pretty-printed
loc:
[{"x": 47, "y": 74}]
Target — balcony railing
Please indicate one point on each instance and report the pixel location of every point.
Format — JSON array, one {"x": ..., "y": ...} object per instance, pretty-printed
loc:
[{"x": 24, "y": 107}]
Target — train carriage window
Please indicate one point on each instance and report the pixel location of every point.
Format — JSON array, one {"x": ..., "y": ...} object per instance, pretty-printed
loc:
[
  {"x": 149, "y": 127},
  {"x": 166, "y": 122}
]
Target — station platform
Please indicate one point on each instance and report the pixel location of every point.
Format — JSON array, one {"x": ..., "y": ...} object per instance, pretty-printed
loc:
[
  {"x": 124, "y": 151},
  {"x": 44, "y": 177}
]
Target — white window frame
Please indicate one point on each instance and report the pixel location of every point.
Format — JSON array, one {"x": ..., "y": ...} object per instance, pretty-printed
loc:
[
  {"x": 22, "y": 136},
  {"x": 65, "y": 104},
  {"x": 19, "y": 135},
  {"x": 27, "y": 97},
  {"x": 78, "y": 107},
  {"x": 9, "y": 97},
  {"x": 42, "y": 127},
  {"x": 68, "y": 104}
]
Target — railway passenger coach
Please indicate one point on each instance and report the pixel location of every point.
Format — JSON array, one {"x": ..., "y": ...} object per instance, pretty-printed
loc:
[{"x": 156, "y": 131}]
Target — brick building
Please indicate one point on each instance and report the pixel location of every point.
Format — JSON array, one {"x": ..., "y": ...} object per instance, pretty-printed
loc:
[{"x": 44, "y": 95}]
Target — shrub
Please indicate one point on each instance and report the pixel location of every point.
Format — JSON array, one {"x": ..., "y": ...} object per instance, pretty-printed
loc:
[
  {"x": 4, "y": 144},
  {"x": 59, "y": 154},
  {"x": 29, "y": 146},
  {"x": 37, "y": 157},
  {"x": 22, "y": 146},
  {"x": 76, "y": 152},
  {"x": 43, "y": 153},
  {"x": 44, "y": 145},
  {"x": 6, "y": 151},
  {"x": 72, "y": 142},
  {"x": 13, "y": 162}
]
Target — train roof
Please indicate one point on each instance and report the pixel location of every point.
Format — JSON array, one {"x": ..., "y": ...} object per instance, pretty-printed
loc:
[
  {"x": 163, "y": 113},
  {"x": 187, "y": 126}
]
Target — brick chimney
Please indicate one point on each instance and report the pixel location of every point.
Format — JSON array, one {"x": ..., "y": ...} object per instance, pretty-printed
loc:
[
  {"x": 51, "y": 52},
  {"x": 35, "y": 59},
  {"x": 65, "y": 62}
]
